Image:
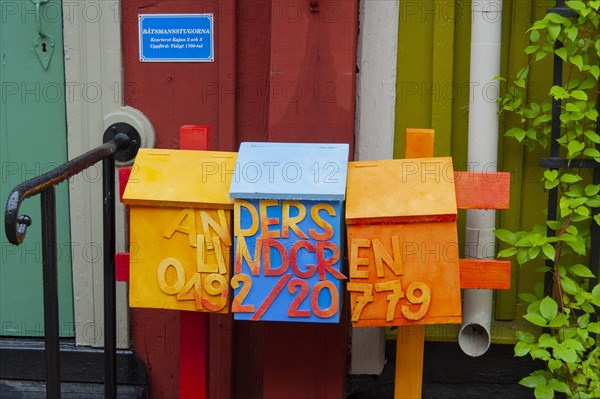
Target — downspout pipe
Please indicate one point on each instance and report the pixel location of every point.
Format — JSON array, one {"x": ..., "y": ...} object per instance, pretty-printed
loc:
[{"x": 486, "y": 34}]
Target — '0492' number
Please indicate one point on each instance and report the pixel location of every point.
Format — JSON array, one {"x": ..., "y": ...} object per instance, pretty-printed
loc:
[{"x": 209, "y": 291}]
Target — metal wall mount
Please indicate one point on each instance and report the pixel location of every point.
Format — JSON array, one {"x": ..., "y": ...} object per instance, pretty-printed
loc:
[{"x": 127, "y": 154}]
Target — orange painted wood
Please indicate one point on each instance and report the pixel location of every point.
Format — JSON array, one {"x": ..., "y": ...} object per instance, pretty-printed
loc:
[
  {"x": 482, "y": 190},
  {"x": 410, "y": 347},
  {"x": 412, "y": 261},
  {"x": 400, "y": 191},
  {"x": 485, "y": 274},
  {"x": 410, "y": 341},
  {"x": 419, "y": 143}
]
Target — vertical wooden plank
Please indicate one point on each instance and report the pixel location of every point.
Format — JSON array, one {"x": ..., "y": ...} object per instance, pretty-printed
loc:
[
  {"x": 172, "y": 95},
  {"x": 419, "y": 143},
  {"x": 253, "y": 52},
  {"x": 414, "y": 83},
  {"x": 410, "y": 341},
  {"x": 517, "y": 15},
  {"x": 442, "y": 75},
  {"x": 410, "y": 347},
  {"x": 193, "y": 353},
  {"x": 155, "y": 334},
  {"x": 312, "y": 81},
  {"x": 193, "y": 339},
  {"x": 313, "y": 71}
]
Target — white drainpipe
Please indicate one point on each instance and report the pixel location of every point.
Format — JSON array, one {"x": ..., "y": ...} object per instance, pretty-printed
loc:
[{"x": 486, "y": 34}]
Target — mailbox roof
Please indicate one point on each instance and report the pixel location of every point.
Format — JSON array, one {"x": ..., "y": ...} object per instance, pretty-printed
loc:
[
  {"x": 297, "y": 171},
  {"x": 404, "y": 190},
  {"x": 181, "y": 178}
]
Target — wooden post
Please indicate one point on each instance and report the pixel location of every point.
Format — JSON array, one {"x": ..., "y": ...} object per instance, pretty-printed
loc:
[
  {"x": 193, "y": 327},
  {"x": 410, "y": 341}
]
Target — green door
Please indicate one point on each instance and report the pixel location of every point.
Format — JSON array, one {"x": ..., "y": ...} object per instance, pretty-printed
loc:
[{"x": 33, "y": 140}]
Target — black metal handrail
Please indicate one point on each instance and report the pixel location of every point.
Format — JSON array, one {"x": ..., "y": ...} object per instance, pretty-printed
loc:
[{"x": 16, "y": 228}]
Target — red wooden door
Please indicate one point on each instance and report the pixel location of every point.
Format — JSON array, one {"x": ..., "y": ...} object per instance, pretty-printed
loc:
[{"x": 283, "y": 71}]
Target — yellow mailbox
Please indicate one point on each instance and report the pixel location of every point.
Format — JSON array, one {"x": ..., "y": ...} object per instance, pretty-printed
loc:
[{"x": 180, "y": 235}]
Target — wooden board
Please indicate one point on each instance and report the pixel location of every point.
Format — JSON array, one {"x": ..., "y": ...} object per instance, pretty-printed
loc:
[
  {"x": 181, "y": 178},
  {"x": 400, "y": 191},
  {"x": 485, "y": 274},
  {"x": 475, "y": 190},
  {"x": 180, "y": 258},
  {"x": 419, "y": 143},
  {"x": 327, "y": 63},
  {"x": 404, "y": 274},
  {"x": 288, "y": 258}
]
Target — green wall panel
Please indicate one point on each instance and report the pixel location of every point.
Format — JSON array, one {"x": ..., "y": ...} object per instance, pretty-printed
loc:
[
  {"x": 433, "y": 92},
  {"x": 32, "y": 141}
]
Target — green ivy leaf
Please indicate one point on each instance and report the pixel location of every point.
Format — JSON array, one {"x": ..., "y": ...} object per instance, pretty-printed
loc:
[
  {"x": 527, "y": 297},
  {"x": 506, "y": 236},
  {"x": 549, "y": 251},
  {"x": 583, "y": 320},
  {"x": 575, "y": 147},
  {"x": 548, "y": 308},
  {"x": 579, "y": 95},
  {"x": 578, "y": 245},
  {"x": 570, "y": 178},
  {"x": 565, "y": 353},
  {"x": 559, "y": 321},
  {"x": 507, "y": 253},
  {"x": 547, "y": 341},
  {"x": 521, "y": 349},
  {"x": 554, "y": 364},
  {"x": 592, "y": 189},
  {"x": 581, "y": 271},
  {"x": 569, "y": 286},
  {"x": 542, "y": 354},
  {"x": 592, "y": 136},
  {"x": 535, "y": 319},
  {"x": 594, "y": 327},
  {"x": 543, "y": 392},
  {"x": 559, "y": 93},
  {"x": 532, "y": 381},
  {"x": 551, "y": 174},
  {"x": 561, "y": 52},
  {"x": 576, "y": 5},
  {"x": 577, "y": 60},
  {"x": 559, "y": 386}
]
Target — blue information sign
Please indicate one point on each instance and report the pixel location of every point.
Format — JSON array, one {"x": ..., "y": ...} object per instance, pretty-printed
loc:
[{"x": 176, "y": 38}]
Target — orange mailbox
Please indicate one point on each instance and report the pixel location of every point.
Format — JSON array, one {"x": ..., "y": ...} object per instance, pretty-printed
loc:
[
  {"x": 180, "y": 215},
  {"x": 402, "y": 242}
]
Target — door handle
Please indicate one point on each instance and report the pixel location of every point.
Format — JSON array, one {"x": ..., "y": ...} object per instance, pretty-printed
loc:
[{"x": 43, "y": 43}]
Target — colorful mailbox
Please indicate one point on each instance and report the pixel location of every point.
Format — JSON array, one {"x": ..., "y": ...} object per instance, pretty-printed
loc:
[
  {"x": 402, "y": 242},
  {"x": 288, "y": 231},
  {"x": 180, "y": 215}
]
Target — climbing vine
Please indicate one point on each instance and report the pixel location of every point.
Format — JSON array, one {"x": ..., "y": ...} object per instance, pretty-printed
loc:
[{"x": 566, "y": 311}]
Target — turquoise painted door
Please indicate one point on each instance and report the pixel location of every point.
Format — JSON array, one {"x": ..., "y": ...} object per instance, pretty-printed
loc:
[{"x": 33, "y": 140}]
